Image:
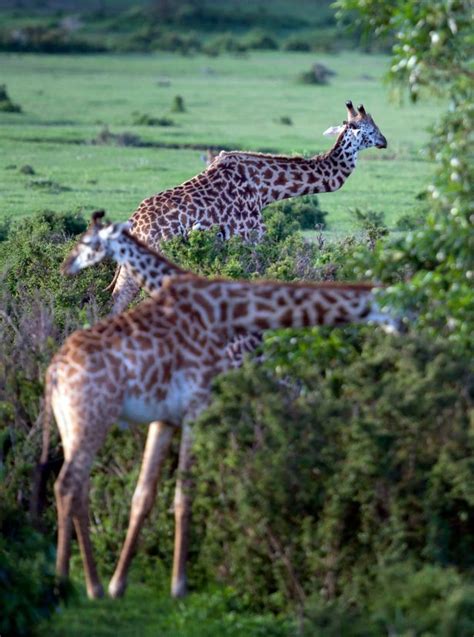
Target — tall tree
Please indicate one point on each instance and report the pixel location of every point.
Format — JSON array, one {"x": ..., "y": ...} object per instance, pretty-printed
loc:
[{"x": 432, "y": 54}]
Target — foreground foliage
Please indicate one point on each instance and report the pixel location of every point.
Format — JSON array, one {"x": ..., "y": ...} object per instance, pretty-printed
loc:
[
  {"x": 432, "y": 53},
  {"x": 346, "y": 456},
  {"x": 319, "y": 473}
]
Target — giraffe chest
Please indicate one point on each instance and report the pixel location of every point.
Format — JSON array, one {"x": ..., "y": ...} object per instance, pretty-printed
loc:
[{"x": 169, "y": 403}]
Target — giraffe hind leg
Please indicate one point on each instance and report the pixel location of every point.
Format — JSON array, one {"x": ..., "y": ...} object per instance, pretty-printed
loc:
[{"x": 71, "y": 490}]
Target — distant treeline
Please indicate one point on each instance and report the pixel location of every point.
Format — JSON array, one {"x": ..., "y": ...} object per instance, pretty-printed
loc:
[{"x": 184, "y": 27}]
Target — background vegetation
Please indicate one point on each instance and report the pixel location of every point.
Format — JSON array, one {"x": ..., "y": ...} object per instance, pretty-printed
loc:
[{"x": 333, "y": 482}]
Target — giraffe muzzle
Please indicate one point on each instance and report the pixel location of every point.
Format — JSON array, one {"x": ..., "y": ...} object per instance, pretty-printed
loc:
[{"x": 382, "y": 143}]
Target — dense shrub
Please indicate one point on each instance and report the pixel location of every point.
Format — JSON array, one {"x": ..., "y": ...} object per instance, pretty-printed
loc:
[
  {"x": 334, "y": 461},
  {"x": 431, "y": 54},
  {"x": 6, "y": 104},
  {"x": 105, "y": 136},
  {"x": 405, "y": 600},
  {"x": 30, "y": 260},
  {"x": 28, "y": 591},
  {"x": 259, "y": 40},
  {"x": 318, "y": 74},
  {"x": 177, "y": 105},
  {"x": 305, "y": 210},
  {"x": 144, "y": 119}
]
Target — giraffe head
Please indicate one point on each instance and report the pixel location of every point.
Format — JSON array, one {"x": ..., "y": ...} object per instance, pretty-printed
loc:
[
  {"x": 94, "y": 245},
  {"x": 363, "y": 130}
]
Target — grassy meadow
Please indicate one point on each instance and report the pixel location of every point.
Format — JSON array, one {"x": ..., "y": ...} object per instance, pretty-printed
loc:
[{"x": 231, "y": 102}]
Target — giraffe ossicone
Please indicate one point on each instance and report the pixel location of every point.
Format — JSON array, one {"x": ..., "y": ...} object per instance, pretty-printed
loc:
[{"x": 232, "y": 191}]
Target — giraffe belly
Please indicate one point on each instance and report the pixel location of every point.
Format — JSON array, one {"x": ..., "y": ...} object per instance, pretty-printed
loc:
[{"x": 172, "y": 408}]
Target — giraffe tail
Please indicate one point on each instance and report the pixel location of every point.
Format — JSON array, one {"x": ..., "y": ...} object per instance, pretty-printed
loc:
[
  {"x": 42, "y": 470},
  {"x": 114, "y": 280}
]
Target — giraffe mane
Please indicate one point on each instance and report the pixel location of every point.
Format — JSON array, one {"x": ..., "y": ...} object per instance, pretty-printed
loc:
[
  {"x": 294, "y": 158},
  {"x": 329, "y": 285},
  {"x": 154, "y": 252}
]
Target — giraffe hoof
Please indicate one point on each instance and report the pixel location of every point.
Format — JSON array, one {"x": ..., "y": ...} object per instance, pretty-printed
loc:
[
  {"x": 95, "y": 591},
  {"x": 179, "y": 589},
  {"x": 117, "y": 588}
]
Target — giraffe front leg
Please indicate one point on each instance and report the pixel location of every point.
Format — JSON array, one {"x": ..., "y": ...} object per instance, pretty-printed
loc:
[
  {"x": 156, "y": 450},
  {"x": 182, "y": 511},
  {"x": 125, "y": 290}
]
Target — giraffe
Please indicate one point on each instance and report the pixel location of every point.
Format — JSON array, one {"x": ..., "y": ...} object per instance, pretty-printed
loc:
[
  {"x": 154, "y": 365},
  {"x": 147, "y": 267},
  {"x": 236, "y": 186}
]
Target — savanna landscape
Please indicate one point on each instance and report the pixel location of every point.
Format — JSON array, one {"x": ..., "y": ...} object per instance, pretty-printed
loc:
[{"x": 332, "y": 477}]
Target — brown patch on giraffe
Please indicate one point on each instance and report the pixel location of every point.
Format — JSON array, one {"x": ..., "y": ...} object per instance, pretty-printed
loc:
[
  {"x": 295, "y": 188},
  {"x": 239, "y": 311},
  {"x": 264, "y": 307},
  {"x": 262, "y": 323},
  {"x": 321, "y": 312},
  {"x": 224, "y": 311},
  {"x": 286, "y": 318},
  {"x": 281, "y": 180},
  {"x": 201, "y": 301}
]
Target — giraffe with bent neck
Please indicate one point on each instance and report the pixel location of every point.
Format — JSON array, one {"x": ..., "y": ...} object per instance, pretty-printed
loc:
[
  {"x": 147, "y": 267},
  {"x": 236, "y": 186},
  {"x": 155, "y": 364}
]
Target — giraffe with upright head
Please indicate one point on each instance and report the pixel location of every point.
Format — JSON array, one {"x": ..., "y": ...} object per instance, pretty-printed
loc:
[
  {"x": 236, "y": 186},
  {"x": 154, "y": 364},
  {"x": 147, "y": 267}
]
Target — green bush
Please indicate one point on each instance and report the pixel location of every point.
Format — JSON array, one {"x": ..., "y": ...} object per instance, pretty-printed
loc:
[
  {"x": 6, "y": 105},
  {"x": 305, "y": 210},
  {"x": 143, "y": 119},
  {"x": 283, "y": 253},
  {"x": 431, "y": 54},
  {"x": 334, "y": 461},
  {"x": 259, "y": 40},
  {"x": 28, "y": 591},
  {"x": 39, "y": 307},
  {"x": 404, "y": 600},
  {"x": 30, "y": 259},
  {"x": 178, "y": 104}
]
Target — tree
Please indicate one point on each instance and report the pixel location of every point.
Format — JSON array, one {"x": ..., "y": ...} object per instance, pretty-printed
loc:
[{"x": 432, "y": 53}]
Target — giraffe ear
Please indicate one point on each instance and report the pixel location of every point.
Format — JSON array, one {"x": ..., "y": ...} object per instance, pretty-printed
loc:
[{"x": 333, "y": 130}]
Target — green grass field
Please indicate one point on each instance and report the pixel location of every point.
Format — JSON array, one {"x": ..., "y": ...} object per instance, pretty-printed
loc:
[
  {"x": 234, "y": 102},
  {"x": 145, "y": 612}
]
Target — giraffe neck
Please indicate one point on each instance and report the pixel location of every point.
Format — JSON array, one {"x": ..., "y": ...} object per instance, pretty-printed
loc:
[
  {"x": 238, "y": 306},
  {"x": 147, "y": 267},
  {"x": 280, "y": 177}
]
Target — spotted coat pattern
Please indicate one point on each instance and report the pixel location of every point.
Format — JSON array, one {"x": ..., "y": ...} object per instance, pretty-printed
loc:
[
  {"x": 236, "y": 186},
  {"x": 147, "y": 267}
]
